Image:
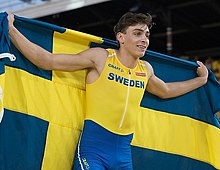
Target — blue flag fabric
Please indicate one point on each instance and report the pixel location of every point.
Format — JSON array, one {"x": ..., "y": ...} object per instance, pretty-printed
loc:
[
  {"x": 44, "y": 110},
  {"x": 4, "y": 38}
]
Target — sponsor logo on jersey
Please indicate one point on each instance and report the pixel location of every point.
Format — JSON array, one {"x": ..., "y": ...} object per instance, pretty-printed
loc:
[
  {"x": 115, "y": 67},
  {"x": 85, "y": 163}
]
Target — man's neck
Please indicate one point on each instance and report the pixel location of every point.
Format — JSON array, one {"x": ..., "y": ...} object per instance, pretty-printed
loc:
[{"x": 127, "y": 59}]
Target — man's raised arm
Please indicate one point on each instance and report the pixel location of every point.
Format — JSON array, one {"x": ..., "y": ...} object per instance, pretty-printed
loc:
[
  {"x": 48, "y": 61},
  {"x": 173, "y": 89}
]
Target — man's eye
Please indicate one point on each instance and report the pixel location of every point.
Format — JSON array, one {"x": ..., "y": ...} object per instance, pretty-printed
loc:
[{"x": 137, "y": 33}]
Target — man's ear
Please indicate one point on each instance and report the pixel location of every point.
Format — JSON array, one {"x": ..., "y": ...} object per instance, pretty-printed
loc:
[{"x": 120, "y": 37}]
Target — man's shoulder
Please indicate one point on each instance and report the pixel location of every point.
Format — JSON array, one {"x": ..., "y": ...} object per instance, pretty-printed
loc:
[
  {"x": 146, "y": 63},
  {"x": 99, "y": 50},
  {"x": 98, "y": 55},
  {"x": 149, "y": 68}
]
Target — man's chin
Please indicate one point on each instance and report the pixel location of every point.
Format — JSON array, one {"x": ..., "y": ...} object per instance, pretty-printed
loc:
[{"x": 141, "y": 55}]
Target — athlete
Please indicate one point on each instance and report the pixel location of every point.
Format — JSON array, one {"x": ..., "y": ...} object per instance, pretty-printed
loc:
[{"x": 115, "y": 83}]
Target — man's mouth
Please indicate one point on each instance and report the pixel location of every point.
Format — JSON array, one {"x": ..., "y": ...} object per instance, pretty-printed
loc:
[{"x": 142, "y": 47}]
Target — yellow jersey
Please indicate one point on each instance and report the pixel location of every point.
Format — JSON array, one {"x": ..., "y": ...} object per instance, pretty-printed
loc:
[{"x": 113, "y": 100}]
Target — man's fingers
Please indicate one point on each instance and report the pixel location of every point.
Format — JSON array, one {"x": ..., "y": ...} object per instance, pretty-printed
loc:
[{"x": 200, "y": 63}]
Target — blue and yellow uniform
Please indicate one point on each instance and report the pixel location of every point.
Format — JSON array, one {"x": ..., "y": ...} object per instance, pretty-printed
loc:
[{"x": 112, "y": 105}]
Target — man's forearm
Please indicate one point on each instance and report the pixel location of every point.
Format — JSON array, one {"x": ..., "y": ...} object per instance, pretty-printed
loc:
[
  {"x": 180, "y": 88},
  {"x": 32, "y": 52}
]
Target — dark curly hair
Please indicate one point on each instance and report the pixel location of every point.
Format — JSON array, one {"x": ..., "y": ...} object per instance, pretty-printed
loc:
[{"x": 131, "y": 19}]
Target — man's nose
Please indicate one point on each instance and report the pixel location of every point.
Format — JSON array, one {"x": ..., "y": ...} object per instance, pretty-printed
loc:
[{"x": 144, "y": 39}]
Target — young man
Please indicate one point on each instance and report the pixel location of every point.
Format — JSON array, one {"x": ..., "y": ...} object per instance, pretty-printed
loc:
[{"x": 115, "y": 84}]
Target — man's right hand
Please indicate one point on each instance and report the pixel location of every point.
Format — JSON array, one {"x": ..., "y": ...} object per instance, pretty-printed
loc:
[{"x": 10, "y": 21}]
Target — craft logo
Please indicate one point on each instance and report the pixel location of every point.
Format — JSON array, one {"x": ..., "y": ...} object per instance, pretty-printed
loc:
[
  {"x": 115, "y": 67},
  {"x": 85, "y": 163}
]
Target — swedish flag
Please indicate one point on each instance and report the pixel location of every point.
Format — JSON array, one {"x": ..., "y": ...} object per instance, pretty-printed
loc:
[
  {"x": 44, "y": 110},
  {"x": 4, "y": 53}
]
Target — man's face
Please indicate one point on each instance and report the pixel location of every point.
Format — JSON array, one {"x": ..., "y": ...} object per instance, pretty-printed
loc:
[{"x": 136, "y": 40}]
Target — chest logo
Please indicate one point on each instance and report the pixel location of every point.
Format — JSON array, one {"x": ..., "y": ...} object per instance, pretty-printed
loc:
[
  {"x": 116, "y": 67},
  {"x": 126, "y": 81}
]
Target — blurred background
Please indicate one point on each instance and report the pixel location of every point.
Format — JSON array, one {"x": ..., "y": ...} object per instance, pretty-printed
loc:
[{"x": 184, "y": 28}]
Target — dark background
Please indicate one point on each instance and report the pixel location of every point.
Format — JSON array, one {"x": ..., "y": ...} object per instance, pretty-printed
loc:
[{"x": 195, "y": 24}]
